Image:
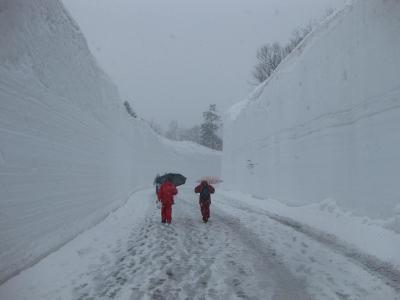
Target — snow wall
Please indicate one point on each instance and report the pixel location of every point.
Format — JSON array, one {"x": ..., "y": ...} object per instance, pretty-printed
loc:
[
  {"x": 69, "y": 152},
  {"x": 327, "y": 123}
]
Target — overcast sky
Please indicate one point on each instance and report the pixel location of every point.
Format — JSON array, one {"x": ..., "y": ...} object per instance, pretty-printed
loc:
[{"x": 172, "y": 58}]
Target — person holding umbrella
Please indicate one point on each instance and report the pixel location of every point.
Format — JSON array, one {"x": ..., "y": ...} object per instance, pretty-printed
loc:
[
  {"x": 205, "y": 190},
  {"x": 166, "y": 195}
]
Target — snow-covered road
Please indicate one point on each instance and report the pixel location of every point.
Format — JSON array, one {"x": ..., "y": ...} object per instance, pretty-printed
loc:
[
  {"x": 240, "y": 254},
  {"x": 189, "y": 260}
]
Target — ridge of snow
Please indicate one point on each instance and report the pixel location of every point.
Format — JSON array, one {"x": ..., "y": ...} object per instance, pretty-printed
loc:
[
  {"x": 185, "y": 147},
  {"x": 368, "y": 235}
]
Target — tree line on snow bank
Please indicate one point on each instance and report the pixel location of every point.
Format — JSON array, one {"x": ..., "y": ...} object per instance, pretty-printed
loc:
[
  {"x": 207, "y": 134},
  {"x": 269, "y": 56}
]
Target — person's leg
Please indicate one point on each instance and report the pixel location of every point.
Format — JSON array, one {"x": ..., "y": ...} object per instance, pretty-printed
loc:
[
  {"x": 207, "y": 211},
  {"x": 163, "y": 214},
  {"x": 202, "y": 210},
  {"x": 168, "y": 214}
]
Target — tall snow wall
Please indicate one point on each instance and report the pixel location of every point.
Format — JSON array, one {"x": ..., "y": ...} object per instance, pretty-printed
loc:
[
  {"x": 327, "y": 123},
  {"x": 69, "y": 152}
]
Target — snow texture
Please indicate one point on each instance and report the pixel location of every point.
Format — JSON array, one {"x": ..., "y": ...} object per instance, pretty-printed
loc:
[
  {"x": 241, "y": 253},
  {"x": 365, "y": 241},
  {"x": 326, "y": 123},
  {"x": 69, "y": 152}
]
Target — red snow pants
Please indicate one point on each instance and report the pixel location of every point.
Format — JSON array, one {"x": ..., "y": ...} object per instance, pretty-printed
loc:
[
  {"x": 205, "y": 210},
  {"x": 166, "y": 213}
]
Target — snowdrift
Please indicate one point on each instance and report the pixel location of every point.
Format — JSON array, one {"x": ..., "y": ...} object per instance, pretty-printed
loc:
[
  {"x": 326, "y": 124},
  {"x": 69, "y": 152}
]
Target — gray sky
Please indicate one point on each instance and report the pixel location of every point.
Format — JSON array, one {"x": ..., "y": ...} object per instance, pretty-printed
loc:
[{"x": 171, "y": 58}]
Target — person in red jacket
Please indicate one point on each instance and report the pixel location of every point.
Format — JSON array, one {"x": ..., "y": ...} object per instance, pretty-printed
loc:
[
  {"x": 205, "y": 190},
  {"x": 166, "y": 195}
]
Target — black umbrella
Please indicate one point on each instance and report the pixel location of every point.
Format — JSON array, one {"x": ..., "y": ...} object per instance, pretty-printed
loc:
[{"x": 175, "y": 178}]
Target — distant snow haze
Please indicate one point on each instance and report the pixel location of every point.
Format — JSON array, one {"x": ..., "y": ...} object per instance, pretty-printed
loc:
[{"x": 171, "y": 59}]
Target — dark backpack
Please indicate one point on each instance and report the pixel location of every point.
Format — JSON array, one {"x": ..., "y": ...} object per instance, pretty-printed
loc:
[{"x": 205, "y": 193}]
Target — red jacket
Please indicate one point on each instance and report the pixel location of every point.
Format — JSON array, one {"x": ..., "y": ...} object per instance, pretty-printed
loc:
[
  {"x": 166, "y": 193},
  {"x": 199, "y": 188}
]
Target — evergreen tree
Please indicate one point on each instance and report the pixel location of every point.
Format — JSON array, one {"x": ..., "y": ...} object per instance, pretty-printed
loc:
[{"x": 209, "y": 129}]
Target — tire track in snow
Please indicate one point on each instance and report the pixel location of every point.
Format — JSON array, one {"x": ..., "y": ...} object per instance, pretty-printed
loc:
[
  {"x": 376, "y": 267},
  {"x": 210, "y": 261},
  {"x": 191, "y": 260}
]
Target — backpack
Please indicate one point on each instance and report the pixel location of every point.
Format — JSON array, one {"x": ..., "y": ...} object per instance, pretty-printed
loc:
[{"x": 205, "y": 193}]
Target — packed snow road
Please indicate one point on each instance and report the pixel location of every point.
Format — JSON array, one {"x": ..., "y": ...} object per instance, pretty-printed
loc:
[
  {"x": 189, "y": 259},
  {"x": 240, "y": 254}
]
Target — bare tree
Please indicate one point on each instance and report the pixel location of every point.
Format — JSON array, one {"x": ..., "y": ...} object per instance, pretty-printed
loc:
[
  {"x": 328, "y": 12},
  {"x": 297, "y": 36},
  {"x": 191, "y": 134},
  {"x": 173, "y": 131},
  {"x": 156, "y": 127},
  {"x": 268, "y": 57}
]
